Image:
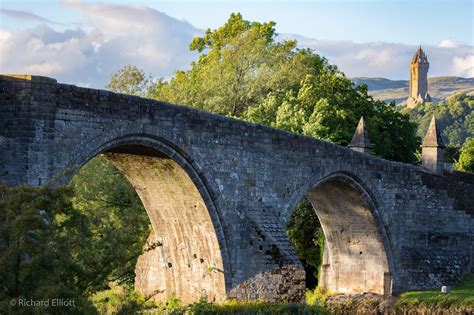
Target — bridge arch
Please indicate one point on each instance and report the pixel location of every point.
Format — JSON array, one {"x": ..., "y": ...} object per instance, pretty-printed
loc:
[
  {"x": 189, "y": 256},
  {"x": 357, "y": 252}
]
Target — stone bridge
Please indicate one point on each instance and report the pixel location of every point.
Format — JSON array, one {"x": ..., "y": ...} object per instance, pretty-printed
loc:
[{"x": 219, "y": 193}]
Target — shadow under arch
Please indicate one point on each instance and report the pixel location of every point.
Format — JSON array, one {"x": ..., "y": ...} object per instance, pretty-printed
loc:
[
  {"x": 190, "y": 256},
  {"x": 357, "y": 253}
]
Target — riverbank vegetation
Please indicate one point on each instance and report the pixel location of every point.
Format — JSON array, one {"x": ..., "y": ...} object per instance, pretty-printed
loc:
[{"x": 460, "y": 300}]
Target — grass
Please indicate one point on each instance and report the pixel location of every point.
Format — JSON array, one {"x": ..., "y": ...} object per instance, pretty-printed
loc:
[
  {"x": 254, "y": 308},
  {"x": 317, "y": 297},
  {"x": 120, "y": 300},
  {"x": 461, "y": 298}
]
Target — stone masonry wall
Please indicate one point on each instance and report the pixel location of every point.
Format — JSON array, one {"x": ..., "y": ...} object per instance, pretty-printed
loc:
[{"x": 250, "y": 178}]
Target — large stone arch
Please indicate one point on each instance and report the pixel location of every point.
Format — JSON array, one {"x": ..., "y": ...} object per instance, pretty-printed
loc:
[
  {"x": 186, "y": 255},
  {"x": 357, "y": 251}
]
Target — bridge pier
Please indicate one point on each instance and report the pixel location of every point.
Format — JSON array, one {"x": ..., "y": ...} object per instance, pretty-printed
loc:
[{"x": 282, "y": 283}]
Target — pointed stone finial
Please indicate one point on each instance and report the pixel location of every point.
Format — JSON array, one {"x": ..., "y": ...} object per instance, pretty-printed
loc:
[
  {"x": 360, "y": 141},
  {"x": 433, "y": 136},
  {"x": 432, "y": 153}
]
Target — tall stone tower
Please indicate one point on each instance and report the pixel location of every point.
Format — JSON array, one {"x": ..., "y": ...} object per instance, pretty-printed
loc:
[{"x": 418, "y": 88}]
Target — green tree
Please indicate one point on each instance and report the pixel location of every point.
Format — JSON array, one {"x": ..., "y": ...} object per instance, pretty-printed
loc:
[
  {"x": 307, "y": 239},
  {"x": 245, "y": 73},
  {"x": 466, "y": 158},
  {"x": 455, "y": 118},
  {"x": 70, "y": 242},
  {"x": 36, "y": 255},
  {"x": 240, "y": 63},
  {"x": 130, "y": 80},
  {"x": 328, "y": 107},
  {"x": 117, "y": 222}
]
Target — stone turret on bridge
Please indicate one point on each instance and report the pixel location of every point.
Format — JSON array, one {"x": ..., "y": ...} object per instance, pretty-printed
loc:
[
  {"x": 360, "y": 141},
  {"x": 432, "y": 155}
]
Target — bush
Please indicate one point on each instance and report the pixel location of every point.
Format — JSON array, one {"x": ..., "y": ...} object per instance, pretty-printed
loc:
[{"x": 120, "y": 299}]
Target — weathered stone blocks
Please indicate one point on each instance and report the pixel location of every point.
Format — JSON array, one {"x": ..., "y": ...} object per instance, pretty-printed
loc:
[{"x": 224, "y": 190}]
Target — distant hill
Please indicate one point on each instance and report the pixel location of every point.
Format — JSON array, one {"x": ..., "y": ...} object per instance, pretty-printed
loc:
[{"x": 397, "y": 90}]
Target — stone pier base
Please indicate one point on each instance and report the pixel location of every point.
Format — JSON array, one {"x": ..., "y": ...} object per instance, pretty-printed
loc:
[{"x": 286, "y": 283}]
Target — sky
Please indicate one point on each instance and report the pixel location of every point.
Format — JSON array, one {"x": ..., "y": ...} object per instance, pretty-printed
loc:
[{"x": 83, "y": 42}]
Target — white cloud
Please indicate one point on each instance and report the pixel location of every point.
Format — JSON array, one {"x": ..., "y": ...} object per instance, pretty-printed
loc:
[
  {"x": 377, "y": 58},
  {"x": 390, "y": 60},
  {"x": 43, "y": 51},
  {"x": 49, "y": 69},
  {"x": 448, "y": 43},
  {"x": 5, "y": 43},
  {"x": 464, "y": 66},
  {"x": 112, "y": 36}
]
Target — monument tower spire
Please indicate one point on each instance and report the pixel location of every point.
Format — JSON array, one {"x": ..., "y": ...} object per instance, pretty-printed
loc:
[{"x": 418, "y": 86}]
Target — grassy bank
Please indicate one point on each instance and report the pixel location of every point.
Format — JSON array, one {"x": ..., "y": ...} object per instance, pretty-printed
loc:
[
  {"x": 122, "y": 300},
  {"x": 461, "y": 299}
]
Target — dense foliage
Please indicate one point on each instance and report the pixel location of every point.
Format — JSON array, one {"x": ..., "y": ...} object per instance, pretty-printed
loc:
[
  {"x": 38, "y": 233},
  {"x": 307, "y": 239},
  {"x": 454, "y": 117},
  {"x": 117, "y": 222},
  {"x": 70, "y": 242},
  {"x": 130, "y": 80},
  {"x": 466, "y": 158},
  {"x": 244, "y": 73}
]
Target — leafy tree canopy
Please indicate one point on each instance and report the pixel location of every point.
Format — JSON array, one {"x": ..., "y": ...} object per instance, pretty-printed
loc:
[
  {"x": 466, "y": 158},
  {"x": 245, "y": 73},
  {"x": 39, "y": 227},
  {"x": 117, "y": 222},
  {"x": 307, "y": 239},
  {"x": 455, "y": 118},
  {"x": 130, "y": 80},
  {"x": 239, "y": 65},
  {"x": 70, "y": 242}
]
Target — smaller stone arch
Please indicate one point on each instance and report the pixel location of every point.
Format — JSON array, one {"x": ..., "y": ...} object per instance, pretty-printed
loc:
[{"x": 357, "y": 255}]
